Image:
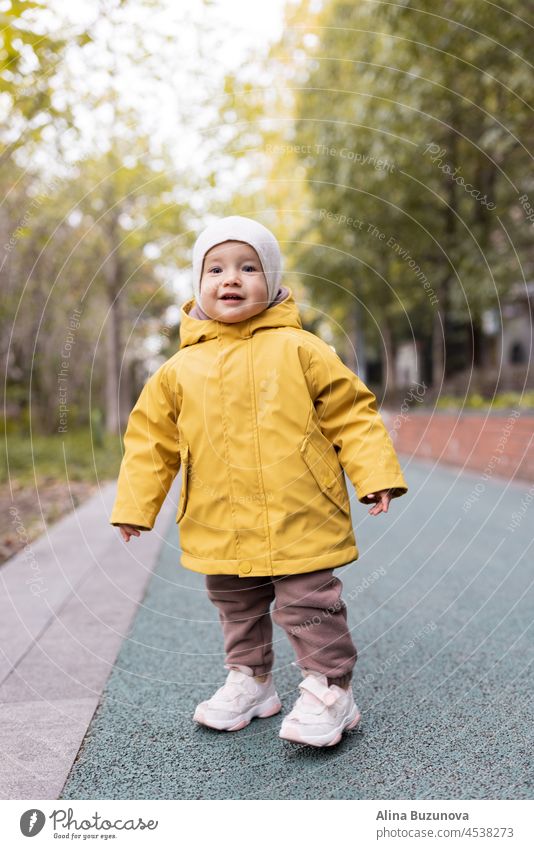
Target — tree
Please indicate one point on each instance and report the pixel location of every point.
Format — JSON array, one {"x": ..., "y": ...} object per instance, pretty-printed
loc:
[
  {"x": 29, "y": 60},
  {"x": 135, "y": 207},
  {"x": 392, "y": 84}
]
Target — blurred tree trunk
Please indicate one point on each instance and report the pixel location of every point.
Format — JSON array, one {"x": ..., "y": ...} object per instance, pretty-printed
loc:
[
  {"x": 389, "y": 377},
  {"x": 117, "y": 375},
  {"x": 112, "y": 367},
  {"x": 441, "y": 324},
  {"x": 356, "y": 355}
]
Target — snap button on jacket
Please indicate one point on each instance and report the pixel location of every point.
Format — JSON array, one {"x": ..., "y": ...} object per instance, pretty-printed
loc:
[{"x": 261, "y": 417}]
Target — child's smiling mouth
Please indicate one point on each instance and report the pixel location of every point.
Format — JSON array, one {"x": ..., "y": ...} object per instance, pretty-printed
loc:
[{"x": 233, "y": 297}]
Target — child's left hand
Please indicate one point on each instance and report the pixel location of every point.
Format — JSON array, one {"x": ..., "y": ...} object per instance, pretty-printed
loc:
[{"x": 382, "y": 497}]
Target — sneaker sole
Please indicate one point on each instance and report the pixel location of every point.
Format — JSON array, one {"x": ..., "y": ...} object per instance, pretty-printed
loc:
[
  {"x": 331, "y": 739},
  {"x": 269, "y": 707}
]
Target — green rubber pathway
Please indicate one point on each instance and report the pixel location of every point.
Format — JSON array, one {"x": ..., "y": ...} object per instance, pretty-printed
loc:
[{"x": 440, "y": 603}]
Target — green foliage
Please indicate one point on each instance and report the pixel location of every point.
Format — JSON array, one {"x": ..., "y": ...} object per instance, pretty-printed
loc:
[
  {"x": 82, "y": 247},
  {"x": 72, "y": 456},
  {"x": 502, "y": 401},
  {"x": 382, "y": 83},
  {"x": 29, "y": 58}
]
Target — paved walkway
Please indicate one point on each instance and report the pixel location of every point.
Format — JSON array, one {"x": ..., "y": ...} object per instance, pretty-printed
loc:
[
  {"x": 440, "y": 603},
  {"x": 66, "y": 603}
]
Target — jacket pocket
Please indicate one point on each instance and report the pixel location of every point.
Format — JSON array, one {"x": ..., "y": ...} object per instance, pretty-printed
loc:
[
  {"x": 319, "y": 455},
  {"x": 184, "y": 492}
]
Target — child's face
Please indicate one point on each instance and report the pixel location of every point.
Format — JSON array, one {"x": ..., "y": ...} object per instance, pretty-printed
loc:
[{"x": 233, "y": 268}]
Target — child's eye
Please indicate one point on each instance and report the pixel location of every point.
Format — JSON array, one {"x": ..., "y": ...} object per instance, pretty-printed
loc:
[
  {"x": 250, "y": 268},
  {"x": 215, "y": 268}
]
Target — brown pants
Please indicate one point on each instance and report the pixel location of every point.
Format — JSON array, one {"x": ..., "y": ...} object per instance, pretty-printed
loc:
[{"x": 308, "y": 607}]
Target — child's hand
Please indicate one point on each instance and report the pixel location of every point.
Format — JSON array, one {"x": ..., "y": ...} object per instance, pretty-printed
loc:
[
  {"x": 382, "y": 497},
  {"x": 128, "y": 531}
]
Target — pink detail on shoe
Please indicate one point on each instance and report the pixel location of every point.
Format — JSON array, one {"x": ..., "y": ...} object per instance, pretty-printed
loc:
[
  {"x": 292, "y": 733},
  {"x": 260, "y": 700},
  {"x": 271, "y": 712},
  {"x": 354, "y": 722},
  {"x": 240, "y": 726}
]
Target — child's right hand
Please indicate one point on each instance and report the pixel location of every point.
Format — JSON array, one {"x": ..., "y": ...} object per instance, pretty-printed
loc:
[{"x": 128, "y": 531}]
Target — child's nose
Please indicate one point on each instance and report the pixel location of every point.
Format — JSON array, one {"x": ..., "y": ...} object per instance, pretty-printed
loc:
[{"x": 233, "y": 276}]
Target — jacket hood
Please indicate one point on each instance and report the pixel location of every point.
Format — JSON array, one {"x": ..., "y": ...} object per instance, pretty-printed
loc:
[{"x": 193, "y": 330}]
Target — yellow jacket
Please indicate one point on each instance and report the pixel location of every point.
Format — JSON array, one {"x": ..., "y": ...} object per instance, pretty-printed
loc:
[{"x": 262, "y": 416}]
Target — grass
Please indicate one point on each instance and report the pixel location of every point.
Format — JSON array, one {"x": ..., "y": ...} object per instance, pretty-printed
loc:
[{"x": 74, "y": 456}]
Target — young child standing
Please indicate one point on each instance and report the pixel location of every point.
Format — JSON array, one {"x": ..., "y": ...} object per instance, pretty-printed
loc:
[{"x": 262, "y": 417}]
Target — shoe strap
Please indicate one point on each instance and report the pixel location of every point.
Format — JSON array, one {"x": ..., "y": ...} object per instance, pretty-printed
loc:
[
  {"x": 235, "y": 676},
  {"x": 325, "y": 695}
]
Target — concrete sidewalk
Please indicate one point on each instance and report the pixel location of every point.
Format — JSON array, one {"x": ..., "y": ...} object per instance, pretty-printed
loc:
[
  {"x": 440, "y": 603},
  {"x": 66, "y": 604}
]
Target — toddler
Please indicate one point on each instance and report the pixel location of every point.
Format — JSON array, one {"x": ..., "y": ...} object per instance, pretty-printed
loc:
[{"x": 262, "y": 417}]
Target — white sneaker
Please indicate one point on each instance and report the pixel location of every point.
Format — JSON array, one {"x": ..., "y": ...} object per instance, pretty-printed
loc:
[
  {"x": 239, "y": 700},
  {"x": 321, "y": 713}
]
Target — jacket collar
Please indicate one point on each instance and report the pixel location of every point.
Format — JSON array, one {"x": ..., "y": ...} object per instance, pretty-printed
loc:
[{"x": 193, "y": 330}]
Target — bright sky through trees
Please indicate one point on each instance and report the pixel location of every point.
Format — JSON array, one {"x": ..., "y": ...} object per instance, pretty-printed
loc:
[{"x": 185, "y": 51}]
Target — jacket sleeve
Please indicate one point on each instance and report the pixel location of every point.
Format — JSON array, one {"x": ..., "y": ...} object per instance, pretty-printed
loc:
[
  {"x": 349, "y": 418},
  {"x": 151, "y": 458}
]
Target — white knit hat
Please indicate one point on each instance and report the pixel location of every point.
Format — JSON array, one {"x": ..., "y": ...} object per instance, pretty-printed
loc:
[{"x": 239, "y": 229}]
